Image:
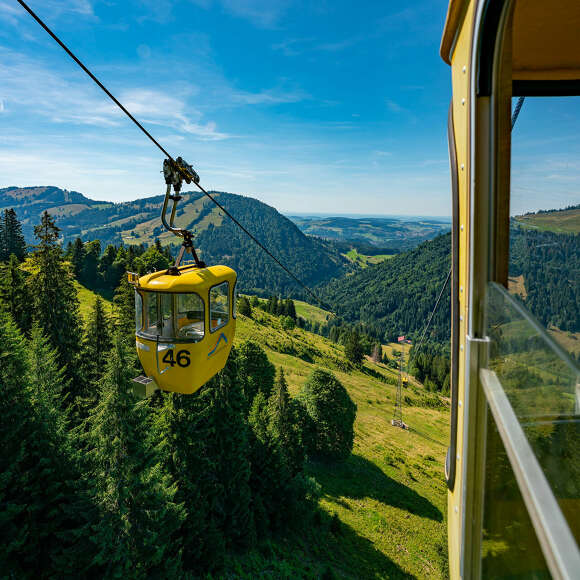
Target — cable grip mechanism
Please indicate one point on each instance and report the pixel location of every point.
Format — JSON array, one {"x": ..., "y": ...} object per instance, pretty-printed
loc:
[{"x": 175, "y": 173}]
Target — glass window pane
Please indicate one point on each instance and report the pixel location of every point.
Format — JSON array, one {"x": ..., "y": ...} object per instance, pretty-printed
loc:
[
  {"x": 544, "y": 269},
  {"x": 541, "y": 383},
  {"x": 190, "y": 317},
  {"x": 510, "y": 548},
  {"x": 219, "y": 305},
  {"x": 152, "y": 320},
  {"x": 138, "y": 311},
  {"x": 166, "y": 316},
  {"x": 235, "y": 304}
]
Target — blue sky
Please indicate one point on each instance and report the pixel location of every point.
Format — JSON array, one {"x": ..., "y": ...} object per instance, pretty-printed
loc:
[{"x": 327, "y": 106}]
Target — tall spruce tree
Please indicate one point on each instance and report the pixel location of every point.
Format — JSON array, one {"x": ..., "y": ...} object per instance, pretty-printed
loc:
[
  {"x": 136, "y": 533},
  {"x": 124, "y": 308},
  {"x": 54, "y": 298},
  {"x": 11, "y": 237},
  {"x": 333, "y": 413},
  {"x": 96, "y": 345},
  {"x": 44, "y": 516},
  {"x": 77, "y": 258},
  {"x": 231, "y": 447},
  {"x": 47, "y": 381},
  {"x": 353, "y": 348},
  {"x": 14, "y": 293},
  {"x": 256, "y": 372},
  {"x": 182, "y": 431},
  {"x": 282, "y": 425}
]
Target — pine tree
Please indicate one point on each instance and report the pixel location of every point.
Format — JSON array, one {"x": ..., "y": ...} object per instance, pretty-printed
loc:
[
  {"x": 333, "y": 413},
  {"x": 47, "y": 381},
  {"x": 244, "y": 306},
  {"x": 11, "y": 237},
  {"x": 14, "y": 294},
  {"x": 255, "y": 371},
  {"x": 291, "y": 309},
  {"x": 282, "y": 426},
  {"x": 353, "y": 349},
  {"x": 54, "y": 298},
  {"x": 44, "y": 518},
  {"x": 230, "y": 444},
  {"x": 96, "y": 346},
  {"x": 77, "y": 258},
  {"x": 124, "y": 308},
  {"x": 182, "y": 431},
  {"x": 136, "y": 533},
  {"x": 90, "y": 270}
]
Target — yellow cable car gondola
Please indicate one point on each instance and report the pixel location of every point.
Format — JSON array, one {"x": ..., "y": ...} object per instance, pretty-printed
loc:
[
  {"x": 511, "y": 513},
  {"x": 186, "y": 315}
]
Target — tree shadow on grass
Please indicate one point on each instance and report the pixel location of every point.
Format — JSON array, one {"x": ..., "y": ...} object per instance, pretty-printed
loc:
[
  {"x": 358, "y": 477},
  {"x": 350, "y": 555}
]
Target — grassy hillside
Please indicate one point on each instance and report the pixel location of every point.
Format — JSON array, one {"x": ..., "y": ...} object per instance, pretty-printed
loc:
[
  {"x": 364, "y": 260},
  {"x": 566, "y": 221},
  {"x": 389, "y": 497}
]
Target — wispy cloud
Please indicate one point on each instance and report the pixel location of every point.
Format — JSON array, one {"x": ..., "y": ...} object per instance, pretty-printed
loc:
[
  {"x": 268, "y": 97},
  {"x": 298, "y": 46},
  {"x": 265, "y": 14},
  {"x": 51, "y": 9},
  {"x": 292, "y": 46},
  {"x": 261, "y": 13},
  {"x": 26, "y": 84},
  {"x": 393, "y": 106}
]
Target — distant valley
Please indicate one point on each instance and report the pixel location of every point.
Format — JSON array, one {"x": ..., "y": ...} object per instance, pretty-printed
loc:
[{"x": 397, "y": 233}]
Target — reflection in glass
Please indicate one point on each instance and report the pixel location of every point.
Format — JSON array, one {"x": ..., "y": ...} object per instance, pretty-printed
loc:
[
  {"x": 190, "y": 317},
  {"x": 219, "y": 305},
  {"x": 541, "y": 382},
  {"x": 152, "y": 321},
  {"x": 166, "y": 316},
  {"x": 138, "y": 311},
  {"x": 510, "y": 548}
]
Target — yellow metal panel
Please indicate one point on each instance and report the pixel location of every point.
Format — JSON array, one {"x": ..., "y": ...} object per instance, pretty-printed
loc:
[
  {"x": 453, "y": 21},
  {"x": 460, "y": 71},
  {"x": 194, "y": 363},
  {"x": 190, "y": 276},
  {"x": 545, "y": 40}
]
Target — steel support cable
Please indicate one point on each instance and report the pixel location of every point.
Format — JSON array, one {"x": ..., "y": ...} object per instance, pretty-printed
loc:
[
  {"x": 517, "y": 110},
  {"x": 515, "y": 115},
  {"x": 161, "y": 148},
  {"x": 416, "y": 350}
]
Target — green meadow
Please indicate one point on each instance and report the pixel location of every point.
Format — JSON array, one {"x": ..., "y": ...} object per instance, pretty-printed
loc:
[{"x": 384, "y": 509}]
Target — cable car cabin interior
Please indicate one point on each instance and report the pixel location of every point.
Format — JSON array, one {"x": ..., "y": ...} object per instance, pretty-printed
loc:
[
  {"x": 185, "y": 325},
  {"x": 512, "y": 466}
]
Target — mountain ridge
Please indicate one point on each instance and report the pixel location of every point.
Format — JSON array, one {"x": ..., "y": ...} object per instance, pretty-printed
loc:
[{"x": 215, "y": 236}]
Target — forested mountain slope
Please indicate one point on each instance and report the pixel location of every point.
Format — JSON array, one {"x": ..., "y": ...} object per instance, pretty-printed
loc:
[
  {"x": 396, "y": 296},
  {"x": 550, "y": 266},
  {"x": 216, "y": 237}
]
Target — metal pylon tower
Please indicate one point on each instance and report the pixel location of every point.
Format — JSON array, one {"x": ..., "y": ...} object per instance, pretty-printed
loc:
[{"x": 397, "y": 420}]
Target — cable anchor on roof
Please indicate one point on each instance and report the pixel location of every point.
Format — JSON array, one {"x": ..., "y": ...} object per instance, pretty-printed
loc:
[{"x": 175, "y": 173}]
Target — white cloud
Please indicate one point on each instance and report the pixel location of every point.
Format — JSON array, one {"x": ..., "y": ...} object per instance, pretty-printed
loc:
[
  {"x": 50, "y": 9},
  {"x": 393, "y": 107},
  {"x": 26, "y": 85},
  {"x": 268, "y": 97},
  {"x": 261, "y": 13}
]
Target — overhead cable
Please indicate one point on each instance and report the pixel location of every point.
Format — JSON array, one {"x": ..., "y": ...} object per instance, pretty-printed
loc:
[{"x": 161, "y": 148}]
